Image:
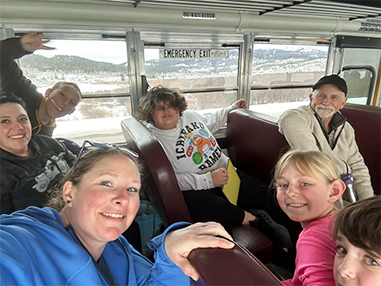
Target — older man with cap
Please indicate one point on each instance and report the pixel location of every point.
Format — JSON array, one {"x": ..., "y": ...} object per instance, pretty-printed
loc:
[{"x": 321, "y": 126}]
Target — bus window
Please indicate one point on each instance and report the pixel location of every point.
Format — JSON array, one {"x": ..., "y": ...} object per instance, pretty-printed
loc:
[
  {"x": 100, "y": 70},
  {"x": 95, "y": 118},
  {"x": 282, "y": 75},
  {"x": 359, "y": 81},
  {"x": 207, "y": 82},
  {"x": 204, "y": 101},
  {"x": 275, "y": 101}
]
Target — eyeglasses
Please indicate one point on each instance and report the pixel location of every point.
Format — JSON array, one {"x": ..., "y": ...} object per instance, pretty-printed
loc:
[{"x": 103, "y": 145}]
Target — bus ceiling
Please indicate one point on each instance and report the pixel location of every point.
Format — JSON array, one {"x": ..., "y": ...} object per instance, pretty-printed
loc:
[{"x": 320, "y": 18}]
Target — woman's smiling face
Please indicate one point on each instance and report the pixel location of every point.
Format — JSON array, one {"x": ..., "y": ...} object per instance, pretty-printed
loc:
[
  {"x": 106, "y": 201},
  {"x": 15, "y": 129}
]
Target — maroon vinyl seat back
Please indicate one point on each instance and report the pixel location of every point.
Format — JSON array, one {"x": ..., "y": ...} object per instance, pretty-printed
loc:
[
  {"x": 366, "y": 120},
  {"x": 235, "y": 266},
  {"x": 164, "y": 192},
  {"x": 254, "y": 143},
  {"x": 162, "y": 187},
  {"x": 254, "y": 146}
]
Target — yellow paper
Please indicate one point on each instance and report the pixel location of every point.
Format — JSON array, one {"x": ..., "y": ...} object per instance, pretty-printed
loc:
[{"x": 231, "y": 189}]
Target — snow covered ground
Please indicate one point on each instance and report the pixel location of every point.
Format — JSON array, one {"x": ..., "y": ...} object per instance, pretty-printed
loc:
[{"x": 109, "y": 129}]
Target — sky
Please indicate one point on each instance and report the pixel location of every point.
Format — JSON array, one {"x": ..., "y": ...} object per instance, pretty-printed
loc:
[{"x": 93, "y": 50}]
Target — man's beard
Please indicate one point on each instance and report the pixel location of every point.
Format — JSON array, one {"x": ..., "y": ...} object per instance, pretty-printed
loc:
[{"x": 322, "y": 113}]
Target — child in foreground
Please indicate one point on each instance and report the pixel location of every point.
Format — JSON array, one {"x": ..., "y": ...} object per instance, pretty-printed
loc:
[
  {"x": 309, "y": 191},
  {"x": 357, "y": 234}
]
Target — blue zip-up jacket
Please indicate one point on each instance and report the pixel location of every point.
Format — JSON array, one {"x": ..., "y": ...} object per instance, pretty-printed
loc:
[{"x": 36, "y": 249}]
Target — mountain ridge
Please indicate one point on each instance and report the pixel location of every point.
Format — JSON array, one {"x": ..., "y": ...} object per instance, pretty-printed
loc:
[{"x": 65, "y": 63}]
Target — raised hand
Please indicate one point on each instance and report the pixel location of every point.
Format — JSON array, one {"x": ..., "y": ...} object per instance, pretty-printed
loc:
[
  {"x": 33, "y": 41},
  {"x": 241, "y": 103}
]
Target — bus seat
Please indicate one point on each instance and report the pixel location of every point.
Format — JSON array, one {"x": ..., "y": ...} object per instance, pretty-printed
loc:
[
  {"x": 254, "y": 142},
  {"x": 366, "y": 120},
  {"x": 162, "y": 188},
  {"x": 236, "y": 266},
  {"x": 254, "y": 146},
  {"x": 159, "y": 177}
]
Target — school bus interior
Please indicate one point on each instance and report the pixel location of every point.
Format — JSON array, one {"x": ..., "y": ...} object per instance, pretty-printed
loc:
[{"x": 268, "y": 52}]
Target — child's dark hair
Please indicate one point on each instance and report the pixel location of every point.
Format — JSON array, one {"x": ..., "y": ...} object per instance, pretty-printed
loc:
[
  {"x": 7, "y": 97},
  {"x": 360, "y": 223},
  {"x": 148, "y": 103}
]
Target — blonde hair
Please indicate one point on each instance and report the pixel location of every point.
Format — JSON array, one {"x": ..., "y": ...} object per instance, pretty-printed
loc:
[{"x": 309, "y": 163}]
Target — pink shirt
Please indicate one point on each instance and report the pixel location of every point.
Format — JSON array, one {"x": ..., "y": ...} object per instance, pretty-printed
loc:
[{"x": 315, "y": 253}]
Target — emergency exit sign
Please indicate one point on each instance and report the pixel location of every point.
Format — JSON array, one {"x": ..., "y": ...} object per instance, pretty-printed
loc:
[{"x": 193, "y": 53}]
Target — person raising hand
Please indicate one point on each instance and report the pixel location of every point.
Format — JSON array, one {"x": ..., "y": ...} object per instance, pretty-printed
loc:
[{"x": 58, "y": 101}]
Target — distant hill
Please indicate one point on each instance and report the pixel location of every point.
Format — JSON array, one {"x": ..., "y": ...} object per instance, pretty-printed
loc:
[
  {"x": 75, "y": 64},
  {"x": 270, "y": 66},
  {"x": 69, "y": 64}
]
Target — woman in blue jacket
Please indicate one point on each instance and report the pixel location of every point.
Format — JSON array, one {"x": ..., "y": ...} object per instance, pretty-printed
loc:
[{"x": 79, "y": 242}]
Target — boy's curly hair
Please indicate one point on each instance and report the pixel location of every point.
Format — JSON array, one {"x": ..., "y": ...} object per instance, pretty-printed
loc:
[{"x": 148, "y": 103}]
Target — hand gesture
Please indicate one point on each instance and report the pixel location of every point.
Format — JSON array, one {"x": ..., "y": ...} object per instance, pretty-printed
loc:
[
  {"x": 241, "y": 103},
  {"x": 179, "y": 243},
  {"x": 220, "y": 177},
  {"x": 33, "y": 41}
]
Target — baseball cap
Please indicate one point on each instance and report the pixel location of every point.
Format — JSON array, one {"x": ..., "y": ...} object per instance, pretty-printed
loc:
[{"x": 332, "y": 79}]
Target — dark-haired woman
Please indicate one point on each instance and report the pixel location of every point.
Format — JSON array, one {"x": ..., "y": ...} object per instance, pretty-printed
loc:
[{"x": 30, "y": 166}]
